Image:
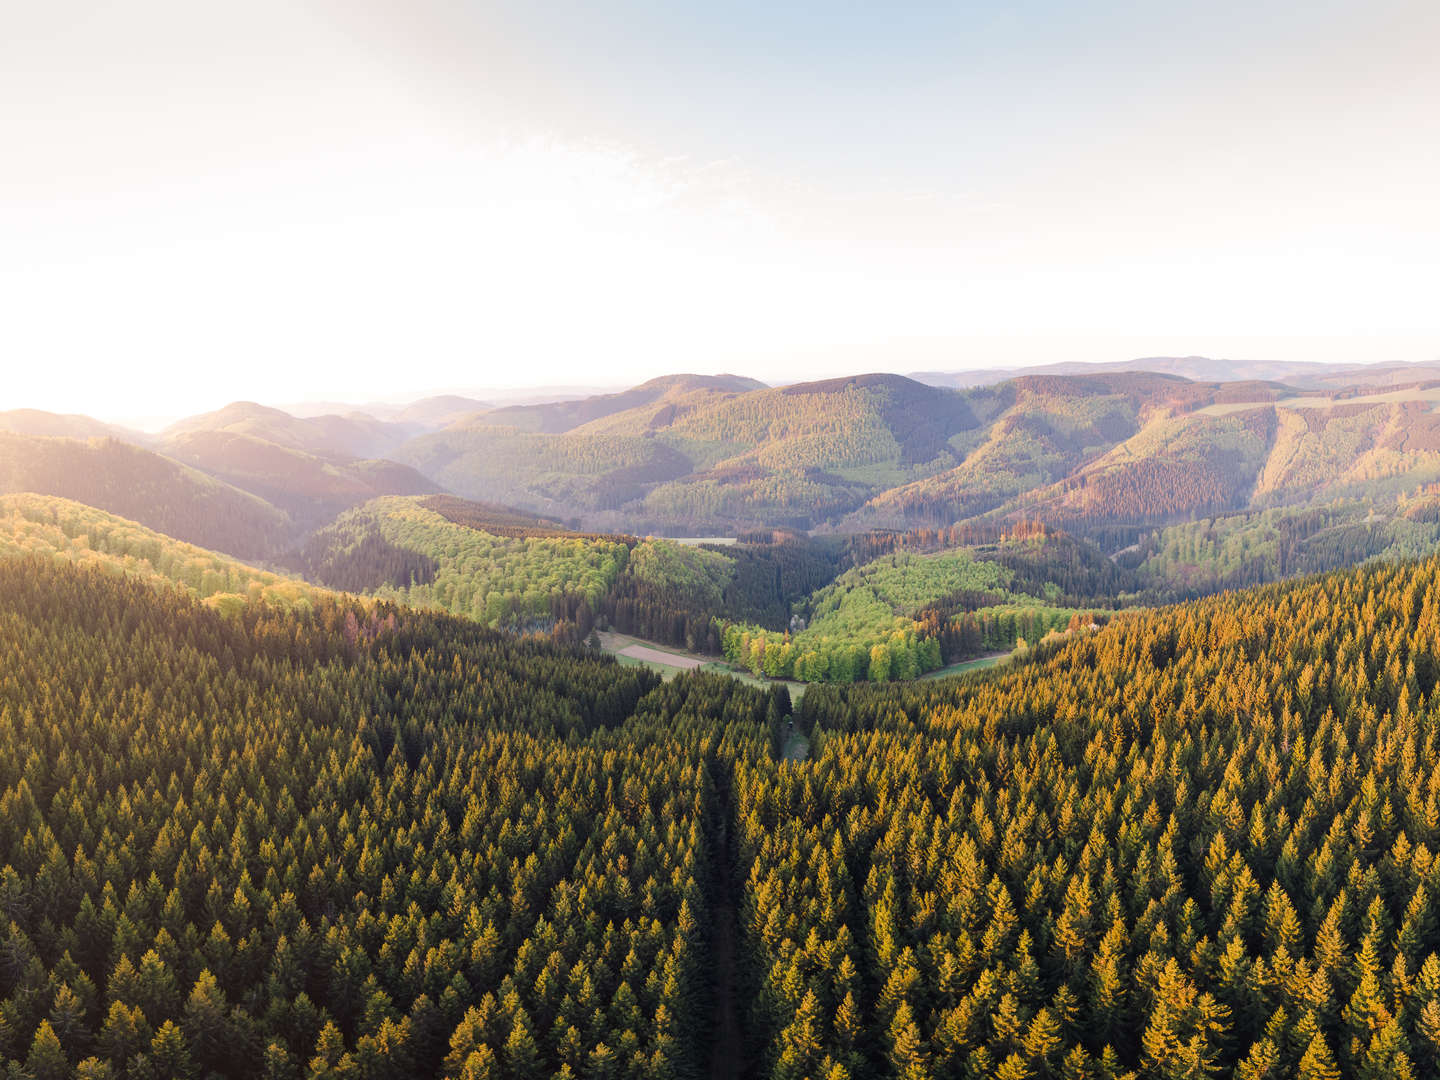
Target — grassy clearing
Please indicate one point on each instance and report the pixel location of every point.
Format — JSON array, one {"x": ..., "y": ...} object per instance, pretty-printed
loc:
[
  {"x": 962, "y": 666},
  {"x": 665, "y": 671},
  {"x": 614, "y": 644}
]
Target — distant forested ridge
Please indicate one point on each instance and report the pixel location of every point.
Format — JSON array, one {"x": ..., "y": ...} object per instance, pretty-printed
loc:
[{"x": 1109, "y": 457}]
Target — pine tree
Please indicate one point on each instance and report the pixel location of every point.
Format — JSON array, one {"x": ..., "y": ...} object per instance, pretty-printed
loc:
[
  {"x": 169, "y": 1052},
  {"x": 521, "y": 1056},
  {"x": 47, "y": 1060},
  {"x": 907, "y": 1047},
  {"x": 1317, "y": 1062}
]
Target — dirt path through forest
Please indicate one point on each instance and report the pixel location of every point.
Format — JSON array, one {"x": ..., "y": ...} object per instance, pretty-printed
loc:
[{"x": 728, "y": 1051}]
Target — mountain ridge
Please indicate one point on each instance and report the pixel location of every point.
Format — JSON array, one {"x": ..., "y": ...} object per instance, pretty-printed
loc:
[{"x": 1107, "y": 448}]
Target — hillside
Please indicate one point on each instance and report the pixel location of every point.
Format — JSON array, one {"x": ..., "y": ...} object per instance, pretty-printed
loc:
[
  {"x": 561, "y": 416},
  {"x": 506, "y": 568},
  {"x": 694, "y": 456},
  {"x": 66, "y": 425},
  {"x": 1108, "y": 454},
  {"x": 1197, "y": 841},
  {"x": 356, "y": 435},
  {"x": 1198, "y": 451},
  {"x": 257, "y": 772},
  {"x": 403, "y": 549},
  {"x": 1194, "y": 842},
  {"x": 312, "y": 489},
  {"x": 1236, "y": 550},
  {"x": 910, "y": 603},
  {"x": 146, "y": 487},
  {"x": 62, "y": 530},
  {"x": 436, "y": 412},
  {"x": 428, "y": 412},
  {"x": 679, "y": 456}
]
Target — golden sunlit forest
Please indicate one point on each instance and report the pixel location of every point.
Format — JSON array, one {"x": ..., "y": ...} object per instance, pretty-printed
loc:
[
  {"x": 719, "y": 541},
  {"x": 982, "y": 733},
  {"x": 357, "y": 839},
  {"x": 852, "y": 730}
]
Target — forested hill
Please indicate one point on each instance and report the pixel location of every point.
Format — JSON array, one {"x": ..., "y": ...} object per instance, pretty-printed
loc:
[
  {"x": 147, "y": 487},
  {"x": 67, "y": 531},
  {"x": 560, "y": 416},
  {"x": 365, "y": 841},
  {"x": 356, "y": 435},
  {"x": 1109, "y": 454},
  {"x": 311, "y": 489}
]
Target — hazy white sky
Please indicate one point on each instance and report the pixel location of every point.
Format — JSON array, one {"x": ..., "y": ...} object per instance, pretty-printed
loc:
[{"x": 351, "y": 198}]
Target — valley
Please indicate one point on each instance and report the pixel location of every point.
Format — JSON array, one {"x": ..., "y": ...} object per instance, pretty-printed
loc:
[
  {"x": 697, "y": 541},
  {"x": 867, "y": 528},
  {"x": 1067, "y": 726}
]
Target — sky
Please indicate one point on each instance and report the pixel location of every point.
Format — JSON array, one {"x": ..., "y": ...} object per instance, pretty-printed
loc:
[{"x": 361, "y": 199}]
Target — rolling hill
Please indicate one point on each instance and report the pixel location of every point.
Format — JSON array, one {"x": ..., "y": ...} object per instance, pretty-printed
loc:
[
  {"x": 908, "y": 603},
  {"x": 310, "y": 488},
  {"x": 64, "y": 425},
  {"x": 1202, "y": 451},
  {"x": 454, "y": 559},
  {"x": 560, "y": 416},
  {"x": 66, "y": 531},
  {"x": 428, "y": 412},
  {"x": 154, "y": 490},
  {"x": 1109, "y": 455},
  {"x": 868, "y": 451},
  {"x": 356, "y": 435},
  {"x": 688, "y": 453}
]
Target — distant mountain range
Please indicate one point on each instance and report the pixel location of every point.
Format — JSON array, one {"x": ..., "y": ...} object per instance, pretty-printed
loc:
[
  {"x": 1104, "y": 450},
  {"x": 1204, "y": 369}
]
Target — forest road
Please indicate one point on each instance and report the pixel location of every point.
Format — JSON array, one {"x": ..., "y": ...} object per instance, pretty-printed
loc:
[{"x": 728, "y": 1052}]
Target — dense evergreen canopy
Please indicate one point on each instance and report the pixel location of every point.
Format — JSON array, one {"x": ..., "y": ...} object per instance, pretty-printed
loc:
[{"x": 346, "y": 840}]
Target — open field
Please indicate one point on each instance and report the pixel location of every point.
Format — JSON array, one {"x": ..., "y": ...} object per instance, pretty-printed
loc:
[
  {"x": 633, "y": 651},
  {"x": 620, "y": 644},
  {"x": 653, "y": 655},
  {"x": 979, "y": 663}
]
